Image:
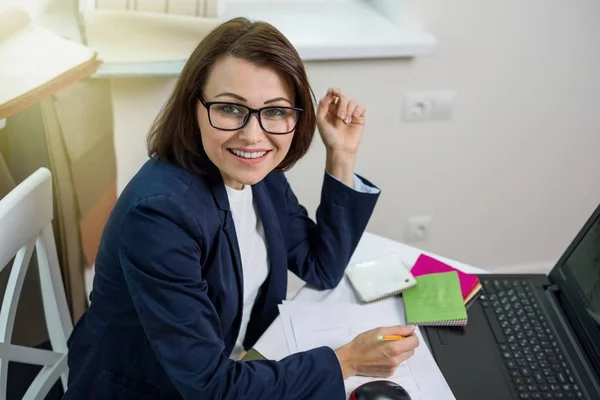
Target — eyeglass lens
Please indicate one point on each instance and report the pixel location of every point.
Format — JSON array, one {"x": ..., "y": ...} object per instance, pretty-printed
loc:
[{"x": 273, "y": 119}]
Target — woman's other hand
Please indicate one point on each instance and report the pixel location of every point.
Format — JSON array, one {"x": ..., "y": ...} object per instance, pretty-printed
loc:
[{"x": 368, "y": 356}]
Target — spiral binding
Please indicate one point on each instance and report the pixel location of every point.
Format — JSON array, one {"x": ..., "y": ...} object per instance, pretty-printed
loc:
[{"x": 451, "y": 322}]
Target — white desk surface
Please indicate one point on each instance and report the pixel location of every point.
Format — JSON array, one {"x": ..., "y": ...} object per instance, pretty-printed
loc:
[{"x": 272, "y": 343}]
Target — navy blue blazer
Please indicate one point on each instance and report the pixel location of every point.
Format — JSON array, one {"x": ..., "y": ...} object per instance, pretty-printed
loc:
[{"x": 166, "y": 304}]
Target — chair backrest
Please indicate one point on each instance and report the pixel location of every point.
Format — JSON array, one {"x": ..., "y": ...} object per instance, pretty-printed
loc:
[{"x": 26, "y": 225}]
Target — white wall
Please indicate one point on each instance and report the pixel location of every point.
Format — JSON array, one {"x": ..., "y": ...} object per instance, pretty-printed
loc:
[{"x": 510, "y": 179}]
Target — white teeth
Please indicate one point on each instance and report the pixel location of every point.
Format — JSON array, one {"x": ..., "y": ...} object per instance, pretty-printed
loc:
[{"x": 247, "y": 154}]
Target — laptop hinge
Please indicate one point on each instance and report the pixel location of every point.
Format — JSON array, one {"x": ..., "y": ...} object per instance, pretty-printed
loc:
[{"x": 553, "y": 288}]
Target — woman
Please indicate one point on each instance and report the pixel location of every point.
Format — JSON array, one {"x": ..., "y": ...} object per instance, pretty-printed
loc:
[{"x": 194, "y": 258}]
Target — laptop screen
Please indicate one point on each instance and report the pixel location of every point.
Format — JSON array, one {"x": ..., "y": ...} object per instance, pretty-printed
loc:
[
  {"x": 584, "y": 265},
  {"x": 577, "y": 275}
]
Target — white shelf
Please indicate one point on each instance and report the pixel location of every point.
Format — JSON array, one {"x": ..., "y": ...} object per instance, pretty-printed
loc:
[
  {"x": 337, "y": 30},
  {"x": 353, "y": 29},
  {"x": 140, "y": 70}
]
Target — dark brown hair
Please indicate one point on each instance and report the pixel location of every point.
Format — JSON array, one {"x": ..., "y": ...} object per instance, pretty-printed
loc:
[{"x": 175, "y": 134}]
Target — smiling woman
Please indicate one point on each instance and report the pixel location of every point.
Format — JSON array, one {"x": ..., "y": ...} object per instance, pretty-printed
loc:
[
  {"x": 226, "y": 72},
  {"x": 232, "y": 151},
  {"x": 194, "y": 258}
]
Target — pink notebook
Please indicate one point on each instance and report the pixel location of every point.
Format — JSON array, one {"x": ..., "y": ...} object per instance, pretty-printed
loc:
[{"x": 428, "y": 265}]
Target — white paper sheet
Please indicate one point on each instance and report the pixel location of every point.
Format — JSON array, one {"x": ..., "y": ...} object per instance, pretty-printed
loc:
[
  {"x": 24, "y": 48},
  {"x": 308, "y": 325}
]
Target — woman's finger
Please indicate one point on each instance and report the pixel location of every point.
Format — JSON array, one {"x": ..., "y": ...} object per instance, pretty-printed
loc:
[
  {"x": 399, "y": 359},
  {"x": 342, "y": 105},
  {"x": 351, "y": 111},
  {"x": 405, "y": 345},
  {"x": 402, "y": 330},
  {"x": 325, "y": 103},
  {"x": 359, "y": 112}
]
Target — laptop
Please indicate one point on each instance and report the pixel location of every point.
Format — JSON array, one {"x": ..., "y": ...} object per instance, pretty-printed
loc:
[{"x": 530, "y": 336}]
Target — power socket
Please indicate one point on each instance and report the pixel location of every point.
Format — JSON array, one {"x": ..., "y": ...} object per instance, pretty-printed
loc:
[
  {"x": 417, "y": 228},
  {"x": 428, "y": 106}
]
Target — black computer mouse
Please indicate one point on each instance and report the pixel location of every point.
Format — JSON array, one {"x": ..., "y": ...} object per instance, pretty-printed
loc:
[{"x": 379, "y": 390}]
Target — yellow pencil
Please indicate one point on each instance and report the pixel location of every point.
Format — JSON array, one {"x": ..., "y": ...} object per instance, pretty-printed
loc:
[{"x": 389, "y": 337}]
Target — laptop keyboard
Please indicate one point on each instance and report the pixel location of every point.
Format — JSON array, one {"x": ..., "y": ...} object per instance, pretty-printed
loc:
[{"x": 526, "y": 342}]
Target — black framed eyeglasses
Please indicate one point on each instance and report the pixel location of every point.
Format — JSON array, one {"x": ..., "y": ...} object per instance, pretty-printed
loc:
[{"x": 275, "y": 120}]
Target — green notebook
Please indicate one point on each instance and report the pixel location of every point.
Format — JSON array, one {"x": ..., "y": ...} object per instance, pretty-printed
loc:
[{"x": 436, "y": 300}]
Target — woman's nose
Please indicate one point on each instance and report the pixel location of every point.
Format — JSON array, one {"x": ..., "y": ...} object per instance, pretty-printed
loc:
[{"x": 252, "y": 132}]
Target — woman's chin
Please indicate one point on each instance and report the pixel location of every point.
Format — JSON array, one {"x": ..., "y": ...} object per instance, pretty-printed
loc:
[
  {"x": 246, "y": 178},
  {"x": 252, "y": 179}
]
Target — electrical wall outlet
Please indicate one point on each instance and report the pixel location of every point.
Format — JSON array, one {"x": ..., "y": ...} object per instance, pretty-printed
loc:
[
  {"x": 417, "y": 228},
  {"x": 427, "y": 106}
]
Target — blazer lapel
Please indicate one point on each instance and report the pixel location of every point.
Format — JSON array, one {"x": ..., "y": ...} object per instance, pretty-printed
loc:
[
  {"x": 219, "y": 193},
  {"x": 274, "y": 240}
]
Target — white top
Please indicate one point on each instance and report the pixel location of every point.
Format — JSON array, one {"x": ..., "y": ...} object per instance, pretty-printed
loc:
[
  {"x": 253, "y": 252},
  {"x": 253, "y": 248}
]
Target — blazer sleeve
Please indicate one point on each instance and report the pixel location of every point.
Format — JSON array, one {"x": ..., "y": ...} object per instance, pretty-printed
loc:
[
  {"x": 160, "y": 253},
  {"x": 319, "y": 252}
]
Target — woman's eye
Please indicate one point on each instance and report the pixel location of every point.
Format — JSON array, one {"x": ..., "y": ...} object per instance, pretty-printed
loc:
[
  {"x": 228, "y": 109},
  {"x": 275, "y": 112}
]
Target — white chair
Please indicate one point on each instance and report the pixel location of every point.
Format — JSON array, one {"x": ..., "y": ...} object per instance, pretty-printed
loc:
[{"x": 26, "y": 224}]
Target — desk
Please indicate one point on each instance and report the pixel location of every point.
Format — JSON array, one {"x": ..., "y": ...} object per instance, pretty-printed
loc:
[{"x": 272, "y": 343}]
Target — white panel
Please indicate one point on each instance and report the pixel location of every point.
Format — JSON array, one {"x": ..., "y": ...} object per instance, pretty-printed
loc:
[
  {"x": 111, "y": 4},
  {"x": 159, "y": 6},
  {"x": 182, "y": 7},
  {"x": 214, "y": 8},
  {"x": 202, "y": 6}
]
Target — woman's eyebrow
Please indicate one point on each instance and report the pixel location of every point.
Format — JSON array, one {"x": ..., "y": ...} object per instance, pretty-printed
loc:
[
  {"x": 277, "y": 99},
  {"x": 236, "y": 96},
  {"x": 240, "y": 98}
]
